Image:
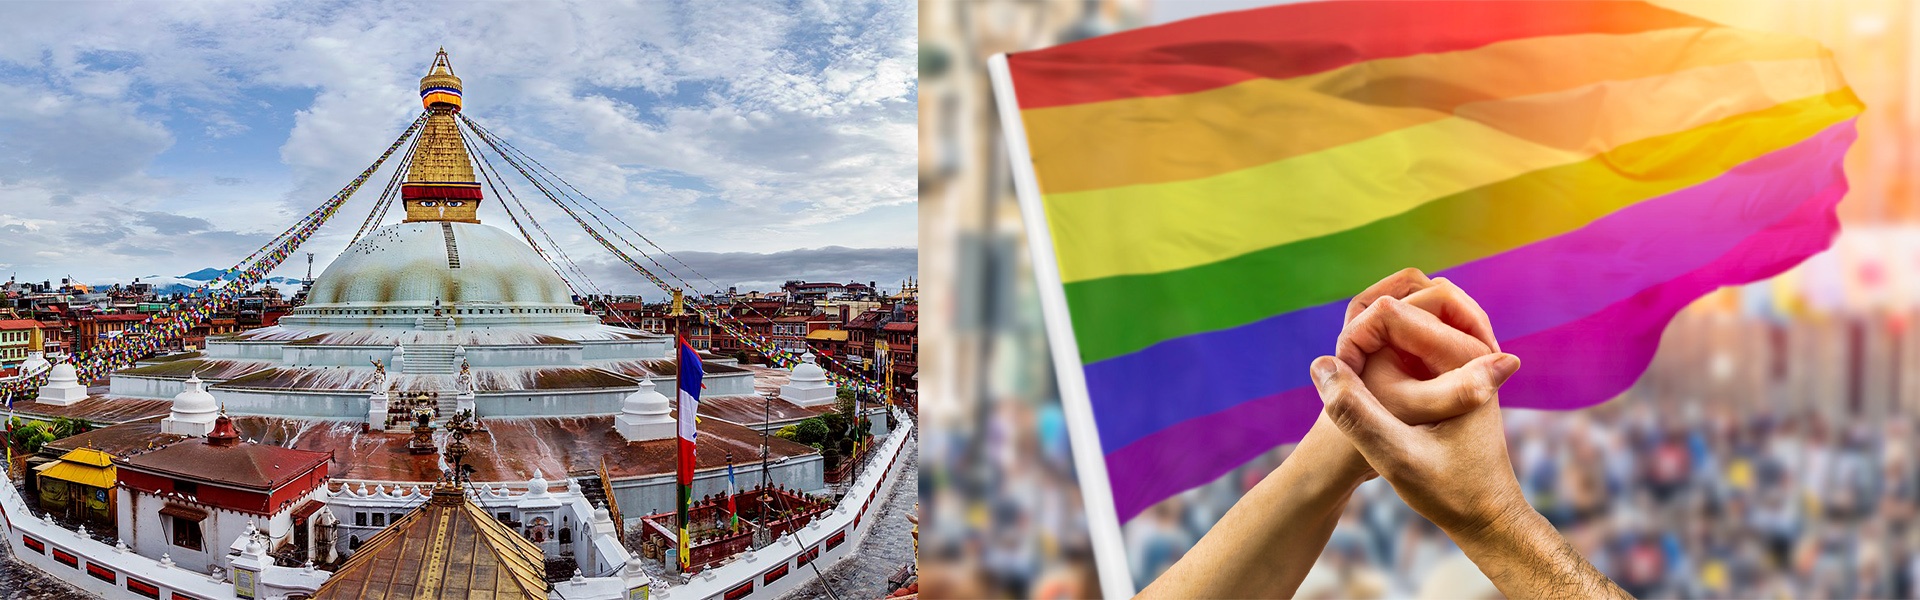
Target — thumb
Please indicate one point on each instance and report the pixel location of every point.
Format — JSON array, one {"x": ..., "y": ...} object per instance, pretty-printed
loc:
[
  {"x": 1353, "y": 408},
  {"x": 1477, "y": 382}
]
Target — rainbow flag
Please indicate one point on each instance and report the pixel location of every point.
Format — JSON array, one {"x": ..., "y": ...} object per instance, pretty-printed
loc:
[{"x": 1205, "y": 196}]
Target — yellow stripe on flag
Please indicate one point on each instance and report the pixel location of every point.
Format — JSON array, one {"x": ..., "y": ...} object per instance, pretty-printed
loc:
[{"x": 1165, "y": 227}]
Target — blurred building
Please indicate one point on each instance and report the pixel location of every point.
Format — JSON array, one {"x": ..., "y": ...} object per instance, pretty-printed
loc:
[{"x": 1004, "y": 514}]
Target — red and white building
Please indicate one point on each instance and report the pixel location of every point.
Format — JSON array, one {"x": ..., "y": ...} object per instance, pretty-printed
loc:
[{"x": 192, "y": 497}]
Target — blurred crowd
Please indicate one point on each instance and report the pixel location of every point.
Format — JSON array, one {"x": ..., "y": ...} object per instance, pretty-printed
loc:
[
  {"x": 1709, "y": 491},
  {"x": 1671, "y": 501}
]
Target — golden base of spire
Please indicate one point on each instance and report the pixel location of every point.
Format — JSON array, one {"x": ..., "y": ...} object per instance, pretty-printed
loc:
[
  {"x": 440, "y": 184},
  {"x": 442, "y": 210}
]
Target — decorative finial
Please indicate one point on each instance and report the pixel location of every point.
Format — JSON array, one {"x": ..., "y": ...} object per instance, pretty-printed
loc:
[{"x": 440, "y": 87}]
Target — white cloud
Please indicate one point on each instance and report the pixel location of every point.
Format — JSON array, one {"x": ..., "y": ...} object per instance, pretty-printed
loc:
[{"x": 716, "y": 126}]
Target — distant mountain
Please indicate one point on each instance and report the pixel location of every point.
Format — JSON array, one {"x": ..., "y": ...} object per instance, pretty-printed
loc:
[{"x": 163, "y": 285}]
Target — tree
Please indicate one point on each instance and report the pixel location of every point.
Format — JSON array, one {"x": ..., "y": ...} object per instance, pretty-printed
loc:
[
  {"x": 836, "y": 424},
  {"x": 831, "y": 456},
  {"x": 788, "y": 432},
  {"x": 811, "y": 431},
  {"x": 31, "y": 436},
  {"x": 63, "y": 427}
]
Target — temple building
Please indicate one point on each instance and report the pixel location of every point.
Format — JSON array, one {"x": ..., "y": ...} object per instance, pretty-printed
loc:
[
  {"x": 438, "y": 314},
  {"x": 79, "y": 487},
  {"x": 194, "y": 495},
  {"x": 411, "y": 557}
]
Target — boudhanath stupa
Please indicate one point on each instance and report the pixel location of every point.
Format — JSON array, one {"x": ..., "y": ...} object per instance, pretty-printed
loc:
[{"x": 443, "y": 313}]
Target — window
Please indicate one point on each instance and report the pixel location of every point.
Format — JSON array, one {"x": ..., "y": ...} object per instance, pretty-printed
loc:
[
  {"x": 504, "y": 517},
  {"x": 379, "y": 519},
  {"x": 186, "y": 533},
  {"x": 360, "y": 519}
]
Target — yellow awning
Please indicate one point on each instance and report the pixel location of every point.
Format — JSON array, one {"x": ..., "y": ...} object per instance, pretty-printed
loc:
[
  {"x": 79, "y": 467},
  {"x": 89, "y": 456},
  {"x": 834, "y": 335}
]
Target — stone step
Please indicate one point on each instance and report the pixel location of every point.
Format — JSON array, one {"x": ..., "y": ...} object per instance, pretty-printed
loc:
[{"x": 431, "y": 359}]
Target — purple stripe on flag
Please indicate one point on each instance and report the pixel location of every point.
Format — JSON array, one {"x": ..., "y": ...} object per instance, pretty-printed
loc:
[{"x": 1579, "y": 363}]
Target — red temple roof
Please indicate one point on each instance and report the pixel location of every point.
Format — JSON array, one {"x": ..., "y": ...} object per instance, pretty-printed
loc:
[{"x": 247, "y": 465}]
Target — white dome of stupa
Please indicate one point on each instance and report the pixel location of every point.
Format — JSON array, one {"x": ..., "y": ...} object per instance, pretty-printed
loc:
[
  {"x": 194, "y": 410},
  {"x": 35, "y": 363},
  {"x": 63, "y": 372},
  {"x": 477, "y": 273},
  {"x": 63, "y": 386},
  {"x": 646, "y": 401},
  {"x": 195, "y": 400},
  {"x": 808, "y": 370},
  {"x": 808, "y": 385},
  {"x": 645, "y": 415}
]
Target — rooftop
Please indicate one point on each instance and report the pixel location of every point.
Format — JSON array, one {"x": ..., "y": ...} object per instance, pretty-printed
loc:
[
  {"x": 867, "y": 320},
  {"x": 447, "y": 548},
  {"x": 256, "y": 466},
  {"x": 832, "y": 335},
  {"x": 667, "y": 368},
  {"x": 484, "y": 380},
  {"x": 120, "y": 440},
  {"x": 116, "y": 317},
  {"x": 98, "y": 408},
  {"x": 505, "y": 450},
  {"x": 749, "y": 410}
]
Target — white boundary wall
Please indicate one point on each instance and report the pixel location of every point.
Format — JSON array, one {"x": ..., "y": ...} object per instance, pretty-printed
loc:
[
  {"x": 850, "y": 521},
  {"x": 95, "y": 562},
  {"x": 21, "y": 525}
]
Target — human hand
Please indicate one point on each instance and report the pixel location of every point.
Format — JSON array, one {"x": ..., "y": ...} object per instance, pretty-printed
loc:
[
  {"x": 1455, "y": 472},
  {"x": 1405, "y": 331},
  {"x": 1400, "y": 332}
]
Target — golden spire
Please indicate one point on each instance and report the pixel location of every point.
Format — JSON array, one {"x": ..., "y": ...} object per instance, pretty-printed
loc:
[
  {"x": 440, "y": 86},
  {"x": 440, "y": 185}
]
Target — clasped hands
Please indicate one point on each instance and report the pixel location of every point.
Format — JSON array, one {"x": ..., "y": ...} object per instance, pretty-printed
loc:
[
  {"x": 1411, "y": 396},
  {"x": 1413, "y": 388}
]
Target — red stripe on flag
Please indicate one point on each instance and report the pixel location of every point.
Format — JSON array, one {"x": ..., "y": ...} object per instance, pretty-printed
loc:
[
  {"x": 1300, "y": 39},
  {"x": 686, "y": 462}
]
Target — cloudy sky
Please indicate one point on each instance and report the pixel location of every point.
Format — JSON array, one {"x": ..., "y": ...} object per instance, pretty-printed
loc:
[{"x": 757, "y": 141}]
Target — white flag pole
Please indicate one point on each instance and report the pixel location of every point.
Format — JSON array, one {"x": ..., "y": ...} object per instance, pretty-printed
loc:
[{"x": 1103, "y": 521}]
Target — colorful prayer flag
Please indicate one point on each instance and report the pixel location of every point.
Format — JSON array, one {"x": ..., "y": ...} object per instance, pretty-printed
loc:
[
  {"x": 687, "y": 381},
  {"x": 732, "y": 509},
  {"x": 1205, "y": 196}
]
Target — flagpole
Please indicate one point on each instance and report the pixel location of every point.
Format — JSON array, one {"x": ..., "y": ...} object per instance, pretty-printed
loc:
[
  {"x": 685, "y": 475},
  {"x": 733, "y": 510}
]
